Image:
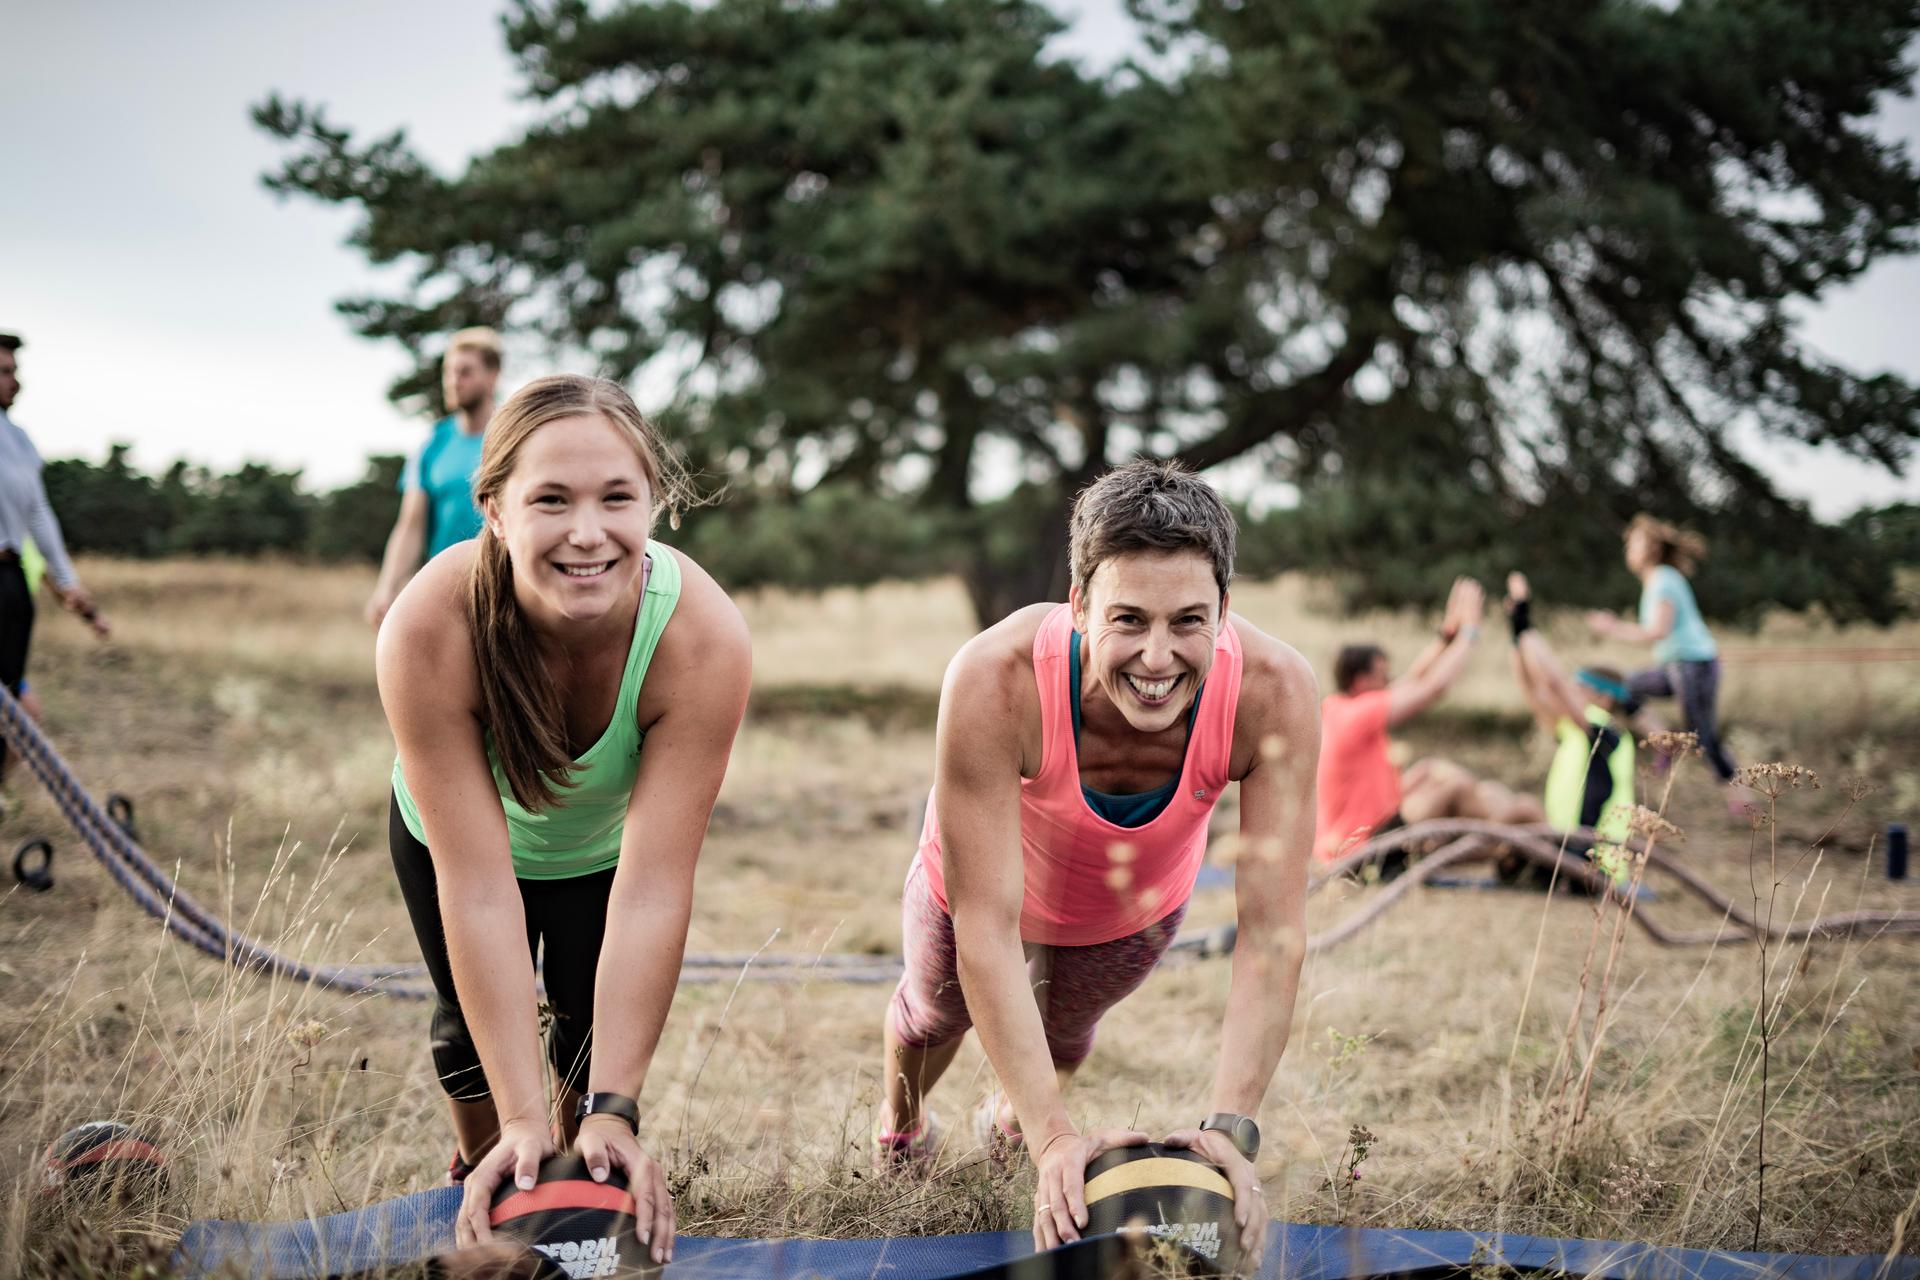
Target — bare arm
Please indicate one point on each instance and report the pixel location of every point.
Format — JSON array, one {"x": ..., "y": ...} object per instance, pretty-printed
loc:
[
  {"x": 1554, "y": 691},
  {"x": 702, "y": 684},
  {"x": 1270, "y": 881},
  {"x": 977, "y": 769},
  {"x": 1270, "y": 892},
  {"x": 690, "y": 706},
  {"x": 430, "y": 689},
  {"x": 1439, "y": 666},
  {"x": 1411, "y": 694},
  {"x": 406, "y": 548},
  {"x": 1612, "y": 624}
]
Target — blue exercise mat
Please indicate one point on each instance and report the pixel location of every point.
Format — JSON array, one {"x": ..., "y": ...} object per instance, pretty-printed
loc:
[{"x": 414, "y": 1226}]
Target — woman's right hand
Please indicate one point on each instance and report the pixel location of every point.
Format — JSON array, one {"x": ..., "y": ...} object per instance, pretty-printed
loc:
[
  {"x": 516, "y": 1156},
  {"x": 1060, "y": 1191}
]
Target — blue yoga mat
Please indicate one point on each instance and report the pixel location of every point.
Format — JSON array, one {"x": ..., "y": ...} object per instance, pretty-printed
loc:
[{"x": 414, "y": 1226}]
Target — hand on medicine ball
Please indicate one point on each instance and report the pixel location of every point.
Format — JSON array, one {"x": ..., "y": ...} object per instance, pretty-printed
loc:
[
  {"x": 516, "y": 1157},
  {"x": 1249, "y": 1207},
  {"x": 606, "y": 1142},
  {"x": 1060, "y": 1190}
]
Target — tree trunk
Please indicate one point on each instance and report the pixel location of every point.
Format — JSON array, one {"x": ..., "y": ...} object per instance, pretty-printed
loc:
[{"x": 999, "y": 581}]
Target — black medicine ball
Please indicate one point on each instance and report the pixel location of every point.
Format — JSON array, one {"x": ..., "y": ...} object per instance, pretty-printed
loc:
[
  {"x": 584, "y": 1227},
  {"x": 1173, "y": 1195},
  {"x": 104, "y": 1158}
]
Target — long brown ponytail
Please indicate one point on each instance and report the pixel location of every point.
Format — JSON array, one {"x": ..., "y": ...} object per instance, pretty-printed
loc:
[{"x": 519, "y": 700}]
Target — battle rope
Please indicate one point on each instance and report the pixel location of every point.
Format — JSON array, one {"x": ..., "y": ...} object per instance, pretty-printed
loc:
[
  {"x": 109, "y": 835},
  {"x": 162, "y": 897}
]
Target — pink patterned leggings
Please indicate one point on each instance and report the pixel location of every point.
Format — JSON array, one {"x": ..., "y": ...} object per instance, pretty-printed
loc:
[{"x": 1074, "y": 986}]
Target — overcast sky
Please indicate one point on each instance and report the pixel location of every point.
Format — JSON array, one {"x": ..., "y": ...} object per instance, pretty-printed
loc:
[{"x": 168, "y": 300}]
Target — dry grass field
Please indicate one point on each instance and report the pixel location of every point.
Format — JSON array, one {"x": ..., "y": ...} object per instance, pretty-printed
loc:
[{"x": 236, "y": 707}]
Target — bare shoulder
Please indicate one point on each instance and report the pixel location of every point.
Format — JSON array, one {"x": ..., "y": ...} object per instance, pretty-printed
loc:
[
  {"x": 1279, "y": 696},
  {"x": 1001, "y": 656},
  {"x": 707, "y": 632},
  {"x": 425, "y": 647}
]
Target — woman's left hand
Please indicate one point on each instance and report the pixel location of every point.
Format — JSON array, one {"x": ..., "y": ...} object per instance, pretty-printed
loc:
[
  {"x": 1600, "y": 622},
  {"x": 606, "y": 1143},
  {"x": 1249, "y": 1205}
]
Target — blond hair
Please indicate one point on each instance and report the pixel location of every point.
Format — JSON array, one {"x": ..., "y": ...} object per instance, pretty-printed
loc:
[
  {"x": 519, "y": 699},
  {"x": 480, "y": 339},
  {"x": 1681, "y": 548}
]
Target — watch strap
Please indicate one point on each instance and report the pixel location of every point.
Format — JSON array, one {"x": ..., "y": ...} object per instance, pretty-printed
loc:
[
  {"x": 1241, "y": 1130},
  {"x": 610, "y": 1104}
]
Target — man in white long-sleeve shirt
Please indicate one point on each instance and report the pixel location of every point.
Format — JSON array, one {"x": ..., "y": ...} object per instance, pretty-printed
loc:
[{"x": 25, "y": 514}]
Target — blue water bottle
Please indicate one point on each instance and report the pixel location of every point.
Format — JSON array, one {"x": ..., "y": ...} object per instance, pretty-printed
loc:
[{"x": 1896, "y": 851}]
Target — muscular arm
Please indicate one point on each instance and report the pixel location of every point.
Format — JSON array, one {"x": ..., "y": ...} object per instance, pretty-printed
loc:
[
  {"x": 1414, "y": 692},
  {"x": 1429, "y": 654},
  {"x": 977, "y": 768},
  {"x": 1551, "y": 692},
  {"x": 430, "y": 690},
  {"x": 1663, "y": 614},
  {"x": 1270, "y": 880},
  {"x": 700, "y": 678},
  {"x": 406, "y": 547}
]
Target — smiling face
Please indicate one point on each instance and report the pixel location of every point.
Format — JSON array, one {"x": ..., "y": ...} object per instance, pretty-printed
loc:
[
  {"x": 574, "y": 515},
  {"x": 1150, "y": 619}
]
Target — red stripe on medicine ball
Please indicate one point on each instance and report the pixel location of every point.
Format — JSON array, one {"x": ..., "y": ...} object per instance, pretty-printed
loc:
[
  {"x": 564, "y": 1195},
  {"x": 117, "y": 1149}
]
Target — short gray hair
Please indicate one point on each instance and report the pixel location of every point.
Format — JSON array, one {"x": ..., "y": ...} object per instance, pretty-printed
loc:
[{"x": 1150, "y": 504}]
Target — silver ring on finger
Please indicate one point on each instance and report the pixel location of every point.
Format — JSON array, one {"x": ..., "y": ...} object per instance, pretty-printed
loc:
[{"x": 1042, "y": 1208}]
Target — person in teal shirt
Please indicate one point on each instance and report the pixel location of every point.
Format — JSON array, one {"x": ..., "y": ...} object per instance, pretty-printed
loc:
[
  {"x": 564, "y": 693},
  {"x": 1687, "y": 661},
  {"x": 436, "y": 488}
]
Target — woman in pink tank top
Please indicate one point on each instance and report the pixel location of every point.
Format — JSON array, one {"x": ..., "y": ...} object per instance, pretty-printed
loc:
[{"x": 1081, "y": 750}]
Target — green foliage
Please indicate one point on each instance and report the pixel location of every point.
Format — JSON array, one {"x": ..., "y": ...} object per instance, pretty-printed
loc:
[
  {"x": 352, "y": 522},
  {"x": 833, "y": 535},
  {"x": 1480, "y": 278},
  {"x": 1893, "y": 530},
  {"x": 112, "y": 509}
]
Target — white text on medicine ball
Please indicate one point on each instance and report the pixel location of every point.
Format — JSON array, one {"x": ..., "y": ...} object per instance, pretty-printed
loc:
[
  {"x": 583, "y": 1258},
  {"x": 1201, "y": 1237}
]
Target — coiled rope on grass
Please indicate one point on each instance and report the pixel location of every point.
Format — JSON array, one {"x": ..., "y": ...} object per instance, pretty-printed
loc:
[
  {"x": 161, "y": 897},
  {"x": 1459, "y": 840}
]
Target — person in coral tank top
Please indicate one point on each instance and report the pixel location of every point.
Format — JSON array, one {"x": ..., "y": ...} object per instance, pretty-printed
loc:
[{"x": 1081, "y": 750}]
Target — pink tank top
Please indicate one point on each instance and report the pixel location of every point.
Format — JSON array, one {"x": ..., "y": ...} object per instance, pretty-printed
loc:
[{"x": 1087, "y": 880}]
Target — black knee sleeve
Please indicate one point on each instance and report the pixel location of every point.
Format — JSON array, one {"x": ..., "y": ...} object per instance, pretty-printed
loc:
[{"x": 455, "y": 1060}]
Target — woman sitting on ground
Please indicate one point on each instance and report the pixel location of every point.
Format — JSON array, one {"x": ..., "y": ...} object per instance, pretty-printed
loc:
[{"x": 564, "y": 692}]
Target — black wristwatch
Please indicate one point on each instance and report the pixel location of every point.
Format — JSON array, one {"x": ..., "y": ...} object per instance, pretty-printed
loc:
[
  {"x": 619, "y": 1104},
  {"x": 1241, "y": 1131}
]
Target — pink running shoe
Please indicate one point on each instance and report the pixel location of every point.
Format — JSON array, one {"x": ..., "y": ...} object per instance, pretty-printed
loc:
[{"x": 906, "y": 1150}]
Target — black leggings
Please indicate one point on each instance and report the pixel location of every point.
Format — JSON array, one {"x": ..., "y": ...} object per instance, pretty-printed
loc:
[
  {"x": 1697, "y": 686},
  {"x": 568, "y": 916},
  {"x": 16, "y": 629}
]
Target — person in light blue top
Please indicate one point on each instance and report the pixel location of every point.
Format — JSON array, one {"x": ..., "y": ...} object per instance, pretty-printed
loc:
[
  {"x": 1662, "y": 556},
  {"x": 436, "y": 488}
]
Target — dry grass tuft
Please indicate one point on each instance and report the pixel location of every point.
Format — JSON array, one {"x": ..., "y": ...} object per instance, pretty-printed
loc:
[{"x": 1477, "y": 1060}]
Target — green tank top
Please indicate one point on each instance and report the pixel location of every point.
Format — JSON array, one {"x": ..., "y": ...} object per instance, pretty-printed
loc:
[
  {"x": 1589, "y": 786},
  {"x": 581, "y": 833}
]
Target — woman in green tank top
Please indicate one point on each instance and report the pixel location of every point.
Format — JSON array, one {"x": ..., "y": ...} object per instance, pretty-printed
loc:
[{"x": 564, "y": 692}]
